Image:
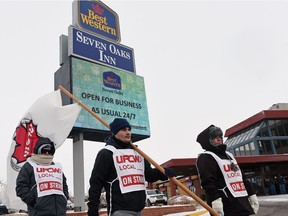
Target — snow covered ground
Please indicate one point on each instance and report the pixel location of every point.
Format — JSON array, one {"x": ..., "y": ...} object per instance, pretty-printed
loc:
[{"x": 263, "y": 201}]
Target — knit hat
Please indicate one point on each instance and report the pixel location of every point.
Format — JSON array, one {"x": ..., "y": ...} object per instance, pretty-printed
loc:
[
  {"x": 118, "y": 124},
  {"x": 215, "y": 132},
  {"x": 44, "y": 145}
]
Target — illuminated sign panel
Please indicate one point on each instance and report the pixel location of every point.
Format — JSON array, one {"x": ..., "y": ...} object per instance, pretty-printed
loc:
[
  {"x": 93, "y": 48},
  {"x": 110, "y": 93},
  {"x": 96, "y": 17}
]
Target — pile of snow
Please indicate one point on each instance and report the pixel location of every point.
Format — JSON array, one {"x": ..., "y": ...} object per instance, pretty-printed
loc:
[{"x": 182, "y": 200}]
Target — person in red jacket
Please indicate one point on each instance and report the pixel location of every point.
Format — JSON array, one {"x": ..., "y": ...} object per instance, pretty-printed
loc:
[{"x": 227, "y": 191}]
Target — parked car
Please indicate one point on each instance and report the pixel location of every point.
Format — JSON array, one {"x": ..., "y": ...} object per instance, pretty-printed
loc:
[
  {"x": 155, "y": 197},
  {"x": 70, "y": 205},
  {"x": 103, "y": 202}
]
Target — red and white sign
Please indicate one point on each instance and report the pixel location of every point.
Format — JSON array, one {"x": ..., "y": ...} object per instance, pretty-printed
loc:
[
  {"x": 130, "y": 169},
  {"x": 233, "y": 179},
  {"x": 48, "y": 179}
]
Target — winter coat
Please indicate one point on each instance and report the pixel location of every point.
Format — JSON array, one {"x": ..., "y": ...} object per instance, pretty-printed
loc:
[
  {"x": 104, "y": 171},
  {"x": 212, "y": 180},
  {"x": 26, "y": 189}
]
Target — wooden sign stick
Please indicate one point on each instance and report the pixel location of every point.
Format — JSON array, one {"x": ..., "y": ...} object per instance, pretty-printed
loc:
[{"x": 161, "y": 169}]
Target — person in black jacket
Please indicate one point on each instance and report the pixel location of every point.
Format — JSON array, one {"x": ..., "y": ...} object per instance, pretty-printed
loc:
[
  {"x": 123, "y": 174},
  {"x": 41, "y": 183},
  {"x": 227, "y": 191}
]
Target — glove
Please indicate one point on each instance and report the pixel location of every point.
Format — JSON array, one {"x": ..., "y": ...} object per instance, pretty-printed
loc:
[
  {"x": 31, "y": 196},
  {"x": 217, "y": 205},
  {"x": 254, "y": 203},
  {"x": 169, "y": 172}
]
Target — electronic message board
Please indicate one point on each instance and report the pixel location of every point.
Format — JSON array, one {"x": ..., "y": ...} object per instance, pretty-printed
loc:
[{"x": 109, "y": 92}]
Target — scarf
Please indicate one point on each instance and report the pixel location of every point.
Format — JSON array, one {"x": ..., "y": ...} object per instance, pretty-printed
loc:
[{"x": 42, "y": 159}]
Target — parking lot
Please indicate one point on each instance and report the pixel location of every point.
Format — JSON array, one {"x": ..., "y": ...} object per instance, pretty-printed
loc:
[
  {"x": 276, "y": 205},
  {"x": 273, "y": 205}
]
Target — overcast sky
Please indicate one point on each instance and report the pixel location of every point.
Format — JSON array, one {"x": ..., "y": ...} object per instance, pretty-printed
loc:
[{"x": 203, "y": 62}]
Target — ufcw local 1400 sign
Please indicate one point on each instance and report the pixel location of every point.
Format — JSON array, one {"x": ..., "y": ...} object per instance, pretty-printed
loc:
[{"x": 96, "y": 17}]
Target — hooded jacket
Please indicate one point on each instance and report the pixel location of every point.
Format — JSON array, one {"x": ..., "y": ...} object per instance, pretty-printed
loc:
[
  {"x": 26, "y": 189},
  {"x": 104, "y": 171},
  {"x": 212, "y": 179}
]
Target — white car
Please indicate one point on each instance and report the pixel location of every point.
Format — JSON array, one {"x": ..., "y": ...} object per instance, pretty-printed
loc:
[
  {"x": 155, "y": 197},
  {"x": 103, "y": 202},
  {"x": 70, "y": 205}
]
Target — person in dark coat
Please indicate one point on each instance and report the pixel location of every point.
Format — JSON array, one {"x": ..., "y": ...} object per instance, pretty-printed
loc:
[
  {"x": 123, "y": 174},
  {"x": 41, "y": 183},
  {"x": 227, "y": 192}
]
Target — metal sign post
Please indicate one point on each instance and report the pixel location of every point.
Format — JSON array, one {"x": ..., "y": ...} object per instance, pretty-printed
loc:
[{"x": 78, "y": 172}]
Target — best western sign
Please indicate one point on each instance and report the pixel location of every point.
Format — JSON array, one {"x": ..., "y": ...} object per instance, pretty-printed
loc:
[
  {"x": 96, "y": 17},
  {"x": 96, "y": 49}
]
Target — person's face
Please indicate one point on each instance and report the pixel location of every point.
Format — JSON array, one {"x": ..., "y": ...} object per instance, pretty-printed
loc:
[
  {"x": 218, "y": 140},
  {"x": 124, "y": 135}
]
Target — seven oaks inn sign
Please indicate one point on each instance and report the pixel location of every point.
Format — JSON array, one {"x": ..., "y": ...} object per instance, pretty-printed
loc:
[
  {"x": 101, "y": 72},
  {"x": 99, "y": 50},
  {"x": 96, "y": 17}
]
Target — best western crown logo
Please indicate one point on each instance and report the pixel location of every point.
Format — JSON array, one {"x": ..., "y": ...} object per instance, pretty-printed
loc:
[
  {"x": 97, "y": 9},
  {"x": 112, "y": 80},
  {"x": 98, "y": 18}
]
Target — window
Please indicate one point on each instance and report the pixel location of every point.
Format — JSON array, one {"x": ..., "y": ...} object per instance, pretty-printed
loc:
[
  {"x": 247, "y": 149},
  {"x": 237, "y": 152},
  {"x": 264, "y": 131},
  {"x": 281, "y": 146},
  {"x": 266, "y": 147},
  {"x": 280, "y": 128},
  {"x": 273, "y": 128},
  {"x": 285, "y": 127},
  {"x": 253, "y": 149},
  {"x": 242, "y": 151}
]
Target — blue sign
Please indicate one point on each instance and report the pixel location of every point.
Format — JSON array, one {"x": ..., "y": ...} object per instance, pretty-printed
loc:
[
  {"x": 112, "y": 80},
  {"x": 97, "y": 18},
  {"x": 96, "y": 49}
]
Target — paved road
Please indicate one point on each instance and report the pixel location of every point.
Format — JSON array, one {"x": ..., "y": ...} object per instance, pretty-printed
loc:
[
  {"x": 269, "y": 206},
  {"x": 273, "y": 205},
  {"x": 273, "y": 209}
]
